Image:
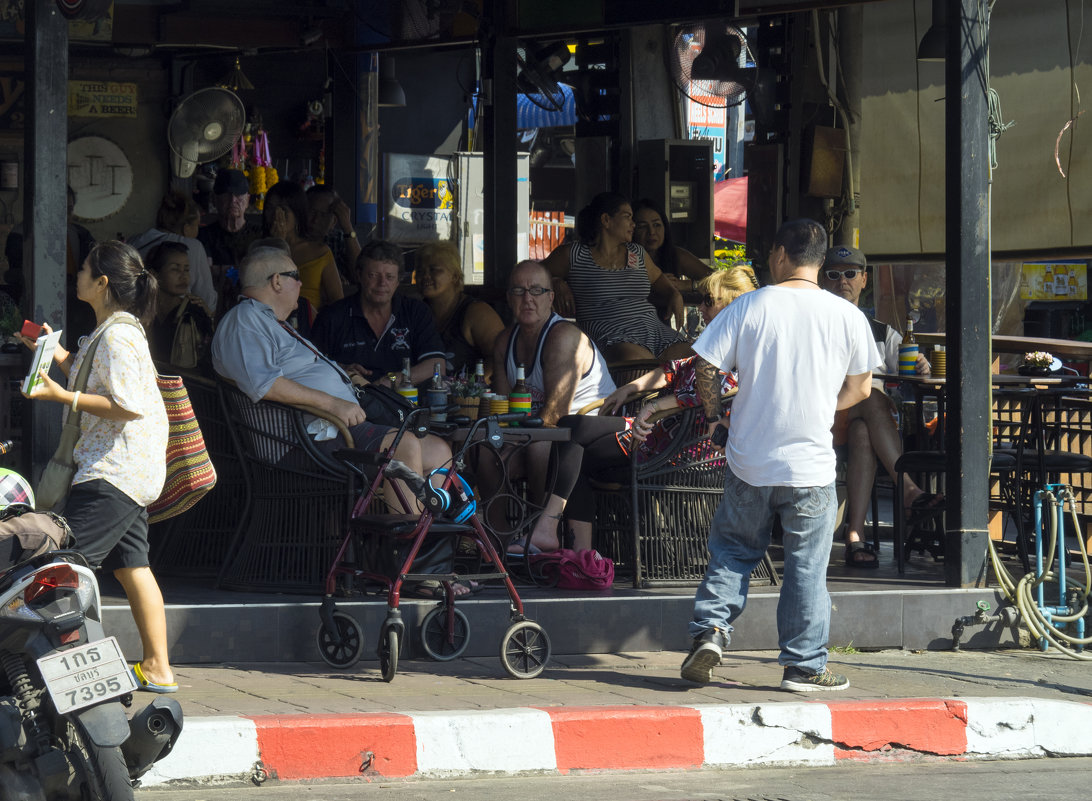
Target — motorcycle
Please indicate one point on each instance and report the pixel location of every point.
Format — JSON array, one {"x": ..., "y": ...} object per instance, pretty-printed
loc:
[{"x": 65, "y": 685}]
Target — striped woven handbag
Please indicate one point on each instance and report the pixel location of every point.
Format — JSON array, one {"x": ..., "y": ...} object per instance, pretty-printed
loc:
[{"x": 190, "y": 473}]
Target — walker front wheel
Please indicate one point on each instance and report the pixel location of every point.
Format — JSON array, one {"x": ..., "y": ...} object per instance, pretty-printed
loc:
[
  {"x": 389, "y": 644},
  {"x": 437, "y": 641},
  {"x": 342, "y": 647},
  {"x": 525, "y": 649}
]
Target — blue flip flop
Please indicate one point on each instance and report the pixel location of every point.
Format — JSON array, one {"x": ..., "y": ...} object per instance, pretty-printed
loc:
[
  {"x": 532, "y": 550},
  {"x": 143, "y": 683}
]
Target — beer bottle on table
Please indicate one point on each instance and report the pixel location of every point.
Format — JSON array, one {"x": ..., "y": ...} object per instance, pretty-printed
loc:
[
  {"x": 405, "y": 384},
  {"x": 908, "y": 350},
  {"x": 519, "y": 399},
  {"x": 437, "y": 394},
  {"x": 479, "y": 375}
]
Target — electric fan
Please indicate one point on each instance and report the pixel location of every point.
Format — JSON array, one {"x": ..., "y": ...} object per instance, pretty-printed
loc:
[
  {"x": 704, "y": 63},
  {"x": 204, "y": 127},
  {"x": 538, "y": 76}
]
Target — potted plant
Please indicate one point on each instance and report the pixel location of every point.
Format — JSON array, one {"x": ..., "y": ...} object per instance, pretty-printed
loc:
[
  {"x": 467, "y": 393},
  {"x": 1037, "y": 363}
]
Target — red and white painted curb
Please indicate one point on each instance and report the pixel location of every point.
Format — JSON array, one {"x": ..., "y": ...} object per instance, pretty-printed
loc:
[{"x": 563, "y": 739}]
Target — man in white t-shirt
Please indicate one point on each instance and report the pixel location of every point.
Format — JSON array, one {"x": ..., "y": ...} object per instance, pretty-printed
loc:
[{"x": 800, "y": 353}]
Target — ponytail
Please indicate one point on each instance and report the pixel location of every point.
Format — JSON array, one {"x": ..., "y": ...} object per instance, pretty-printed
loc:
[{"x": 587, "y": 220}]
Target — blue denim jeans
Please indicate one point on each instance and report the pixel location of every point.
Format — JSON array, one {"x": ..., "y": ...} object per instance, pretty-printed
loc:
[{"x": 738, "y": 538}]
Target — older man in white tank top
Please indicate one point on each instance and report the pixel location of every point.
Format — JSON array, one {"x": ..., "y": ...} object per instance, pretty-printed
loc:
[{"x": 562, "y": 366}]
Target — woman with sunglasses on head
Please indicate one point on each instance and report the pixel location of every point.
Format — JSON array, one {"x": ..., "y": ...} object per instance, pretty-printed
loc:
[
  {"x": 120, "y": 455},
  {"x": 609, "y": 279},
  {"x": 603, "y": 443}
]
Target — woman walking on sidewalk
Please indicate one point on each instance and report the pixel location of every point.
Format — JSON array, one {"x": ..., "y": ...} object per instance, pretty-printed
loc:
[{"x": 121, "y": 452}]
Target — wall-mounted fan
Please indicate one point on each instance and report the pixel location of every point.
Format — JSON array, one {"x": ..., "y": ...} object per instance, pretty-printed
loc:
[
  {"x": 203, "y": 128},
  {"x": 705, "y": 64},
  {"x": 540, "y": 73}
]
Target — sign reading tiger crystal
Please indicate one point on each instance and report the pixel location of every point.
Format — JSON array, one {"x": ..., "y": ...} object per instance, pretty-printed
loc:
[{"x": 102, "y": 99}]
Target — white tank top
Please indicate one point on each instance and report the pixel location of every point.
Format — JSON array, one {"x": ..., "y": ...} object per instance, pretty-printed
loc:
[{"x": 596, "y": 383}]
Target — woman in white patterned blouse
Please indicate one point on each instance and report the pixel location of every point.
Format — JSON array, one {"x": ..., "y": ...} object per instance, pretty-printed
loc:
[{"x": 121, "y": 452}]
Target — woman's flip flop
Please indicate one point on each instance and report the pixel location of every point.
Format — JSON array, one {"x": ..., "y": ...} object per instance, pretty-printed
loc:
[{"x": 144, "y": 683}]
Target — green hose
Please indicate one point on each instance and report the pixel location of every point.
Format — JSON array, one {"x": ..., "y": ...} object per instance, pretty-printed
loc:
[{"x": 1021, "y": 593}]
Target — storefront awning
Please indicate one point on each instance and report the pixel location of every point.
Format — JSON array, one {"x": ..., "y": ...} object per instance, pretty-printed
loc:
[{"x": 730, "y": 209}]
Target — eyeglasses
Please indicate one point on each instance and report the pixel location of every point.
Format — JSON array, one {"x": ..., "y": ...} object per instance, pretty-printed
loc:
[
  {"x": 535, "y": 291},
  {"x": 838, "y": 275},
  {"x": 293, "y": 274},
  {"x": 707, "y": 301}
]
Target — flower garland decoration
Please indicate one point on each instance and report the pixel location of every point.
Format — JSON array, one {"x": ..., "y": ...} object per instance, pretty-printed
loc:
[{"x": 260, "y": 172}]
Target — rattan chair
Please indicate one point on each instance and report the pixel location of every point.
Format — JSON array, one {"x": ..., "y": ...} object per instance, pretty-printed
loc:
[
  {"x": 196, "y": 542},
  {"x": 656, "y": 525},
  {"x": 300, "y": 499}
]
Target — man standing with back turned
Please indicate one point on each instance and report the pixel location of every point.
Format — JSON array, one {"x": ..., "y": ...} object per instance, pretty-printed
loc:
[{"x": 800, "y": 353}]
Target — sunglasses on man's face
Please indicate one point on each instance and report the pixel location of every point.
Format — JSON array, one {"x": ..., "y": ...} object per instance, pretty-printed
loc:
[
  {"x": 293, "y": 274},
  {"x": 707, "y": 301},
  {"x": 838, "y": 275}
]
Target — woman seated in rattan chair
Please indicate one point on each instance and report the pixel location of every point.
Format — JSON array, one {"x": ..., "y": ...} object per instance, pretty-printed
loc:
[{"x": 603, "y": 443}]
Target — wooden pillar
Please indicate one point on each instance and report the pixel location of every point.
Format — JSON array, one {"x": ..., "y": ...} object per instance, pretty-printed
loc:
[{"x": 46, "y": 205}]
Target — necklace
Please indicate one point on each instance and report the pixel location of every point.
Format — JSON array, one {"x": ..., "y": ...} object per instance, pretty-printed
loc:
[{"x": 807, "y": 280}]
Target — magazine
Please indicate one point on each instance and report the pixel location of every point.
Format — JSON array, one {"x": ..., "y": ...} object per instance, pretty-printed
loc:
[{"x": 43, "y": 358}]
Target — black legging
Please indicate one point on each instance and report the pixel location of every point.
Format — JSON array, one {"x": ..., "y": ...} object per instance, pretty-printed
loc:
[{"x": 592, "y": 449}]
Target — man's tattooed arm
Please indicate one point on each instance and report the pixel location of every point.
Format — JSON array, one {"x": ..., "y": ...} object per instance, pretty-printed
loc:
[{"x": 708, "y": 383}]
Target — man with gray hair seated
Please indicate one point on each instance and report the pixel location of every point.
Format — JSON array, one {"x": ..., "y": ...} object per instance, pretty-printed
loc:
[{"x": 268, "y": 360}]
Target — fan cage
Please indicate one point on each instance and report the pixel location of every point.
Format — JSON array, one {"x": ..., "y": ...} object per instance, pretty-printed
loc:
[
  {"x": 709, "y": 93},
  {"x": 206, "y": 125}
]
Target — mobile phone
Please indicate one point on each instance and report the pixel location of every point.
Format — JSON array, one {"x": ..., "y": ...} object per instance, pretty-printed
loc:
[
  {"x": 31, "y": 329},
  {"x": 720, "y": 436}
]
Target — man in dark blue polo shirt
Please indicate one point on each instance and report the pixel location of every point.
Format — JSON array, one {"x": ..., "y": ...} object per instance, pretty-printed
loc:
[{"x": 371, "y": 332}]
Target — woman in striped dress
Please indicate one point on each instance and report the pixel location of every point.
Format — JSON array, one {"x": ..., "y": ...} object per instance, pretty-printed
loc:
[{"x": 610, "y": 278}]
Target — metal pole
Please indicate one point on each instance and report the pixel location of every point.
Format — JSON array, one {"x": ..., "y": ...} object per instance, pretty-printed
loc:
[
  {"x": 45, "y": 208},
  {"x": 499, "y": 144},
  {"x": 851, "y": 48},
  {"x": 967, "y": 288}
]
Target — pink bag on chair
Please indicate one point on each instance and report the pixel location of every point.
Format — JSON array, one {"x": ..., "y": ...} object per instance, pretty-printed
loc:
[{"x": 577, "y": 570}]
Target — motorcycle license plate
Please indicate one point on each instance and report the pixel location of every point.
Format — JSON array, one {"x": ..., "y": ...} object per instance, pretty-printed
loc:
[{"x": 86, "y": 674}]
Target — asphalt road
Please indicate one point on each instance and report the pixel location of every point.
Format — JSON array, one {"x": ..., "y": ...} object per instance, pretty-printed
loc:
[{"x": 927, "y": 780}]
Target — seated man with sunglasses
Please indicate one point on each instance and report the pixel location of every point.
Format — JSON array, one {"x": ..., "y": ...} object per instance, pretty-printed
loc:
[
  {"x": 268, "y": 359},
  {"x": 869, "y": 427}
]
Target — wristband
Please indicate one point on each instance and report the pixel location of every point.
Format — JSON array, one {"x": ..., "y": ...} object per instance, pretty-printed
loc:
[{"x": 76, "y": 401}]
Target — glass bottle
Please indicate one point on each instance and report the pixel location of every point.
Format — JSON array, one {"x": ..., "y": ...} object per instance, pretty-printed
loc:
[
  {"x": 405, "y": 384},
  {"x": 908, "y": 349},
  {"x": 479, "y": 376},
  {"x": 437, "y": 394},
  {"x": 519, "y": 399}
]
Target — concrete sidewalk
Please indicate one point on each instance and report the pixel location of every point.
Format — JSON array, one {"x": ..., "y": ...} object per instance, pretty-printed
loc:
[{"x": 620, "y": 712}]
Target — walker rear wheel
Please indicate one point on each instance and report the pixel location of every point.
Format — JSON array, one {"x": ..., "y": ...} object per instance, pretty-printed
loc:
[
  {"x": 525, "y": 649},
  {"x": 340, "y": 648},
  {"x": 434, "y": 634},
  {"x": 389, "y": 643}
]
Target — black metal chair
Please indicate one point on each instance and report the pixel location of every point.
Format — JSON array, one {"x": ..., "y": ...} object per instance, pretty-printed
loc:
[
  {"x": 196, "y": 542},
  {"x": 300, "y": 499},
  {"x": 656, "y": 525}
]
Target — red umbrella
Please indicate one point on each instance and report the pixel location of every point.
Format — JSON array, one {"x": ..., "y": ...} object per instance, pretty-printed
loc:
[{"x": 730, "y": 209}]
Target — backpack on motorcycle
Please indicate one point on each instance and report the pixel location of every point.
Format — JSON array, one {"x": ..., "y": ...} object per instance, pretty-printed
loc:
[{"x": 25, "y": 533}]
